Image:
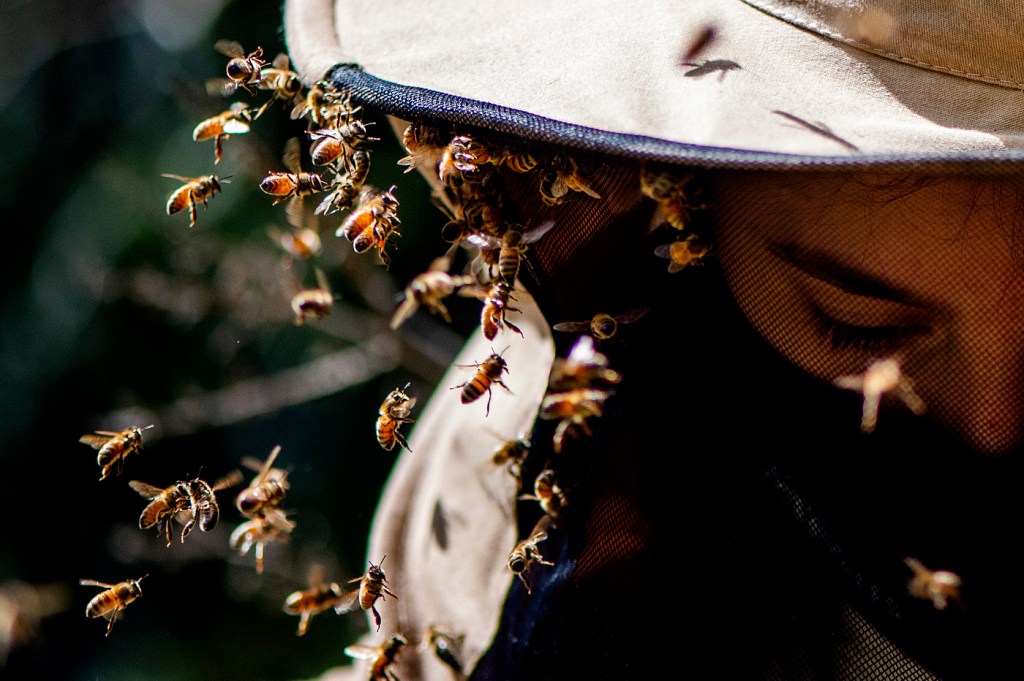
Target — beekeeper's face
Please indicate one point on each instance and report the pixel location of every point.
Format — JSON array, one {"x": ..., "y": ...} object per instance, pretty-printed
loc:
[{"x": 837, "y": 272}]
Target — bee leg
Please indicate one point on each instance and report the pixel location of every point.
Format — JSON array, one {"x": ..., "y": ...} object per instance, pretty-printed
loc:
[
  {"x": 488, "y": 411},
  {"x": 110, "y": 620},
  {"x": 218, "y": 147},
  {"x": 401, "y": 440},
  {"x": 192, "y": 213},
  {"x": 376, "y": 615}
]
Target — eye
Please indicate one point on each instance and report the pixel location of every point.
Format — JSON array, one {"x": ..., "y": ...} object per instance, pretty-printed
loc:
[{"x": 871, "y": 339}]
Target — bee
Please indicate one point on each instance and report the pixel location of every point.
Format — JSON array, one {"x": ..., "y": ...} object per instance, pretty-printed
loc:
[
  {"x": 318, "y": 597},
  {"x": 493, "y": 315},
  {"x": 668, "y": 188},
  {"x": 707, "y": 35},
  {"x": 301, "y": 243},
  {"x": 321, "y": 97},
  {"x": 882, "y": 377},
  {"x": 422, "y": 142},
  {"x": 372, "y": 585},
  {"x": 372, "y": 222},
  {"x": 282, "y": 82},
  {"x": 561, "y": 174},
  {"x": 393, "y": 412},
  {"x": 519, "y": 161},
  {"x": 272, "y": 524},
  {"x": 461, "y": 161},
  {"x": 267, "y": 489},
  {"x": 114, "y": 447},
  {"x": 445, "y": 646},
  {"x": 428, "y": 290},
  {"x": 313, "y": 303},
  {"x": 602, "y": 325},
  {"x": 341, "y": 141},
  {"x": 548, "y": 493},
  {"x": 938, "y": 586},
  {"x": 511, "y": 454},
  {"x": 572, "y": 408},
  {"x": 196, "y": 190},
  {"x": 478, "y": 217},
  {"x": 525, "y": 554},
  {"x": 511, "y": 247},
  {"x": 237, "y": 120},
  {"x": 190, "y": 502},
  {"x": 381, "y": 657},
  {"x": 243, "y": 70},
  {"x": 346, "y": 187},
  {"x": 114, "y": 598},
  {"x": 683, "y": 253},
  {"x": 296, "y": 183},
  {"x": 488, "y": 373},
  {"x": 584, "y": 367}
]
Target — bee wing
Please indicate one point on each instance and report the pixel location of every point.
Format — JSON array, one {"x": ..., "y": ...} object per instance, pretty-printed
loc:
[
  {"x": 321, "y": 280},
  {"x": 483, "y": 240},
  {"x": 291, "y": 157},
  {"x": 663, "y": 250},
  {"x": 145, "y": 489},
  {"x": 229, "y": 480},
  {"x": 404, "y": 310},
  {"x": 93, "y": 582},
  {"x": 361, "y": 652},
  {"x": 229, "y": 48},
  {"x": 97, "y": 439},
  {"x": 537, "y": 231},
  {"x": 224, "y": 87},
  {"x": 178, "y": 177},
  {"x": 235, "y": 126},
  {"x": 572, "y": 326},
  {"x": 632, "y": 315},
  {"x": 264, "y": 469},
  {"x": 282, "y": 62}
]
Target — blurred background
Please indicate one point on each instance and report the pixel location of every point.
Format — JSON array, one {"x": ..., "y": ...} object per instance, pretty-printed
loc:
[{"x": 115, "y": 314}]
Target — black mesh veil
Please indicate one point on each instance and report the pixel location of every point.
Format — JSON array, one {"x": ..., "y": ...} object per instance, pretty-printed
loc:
[{"x": 809, "y": 467}]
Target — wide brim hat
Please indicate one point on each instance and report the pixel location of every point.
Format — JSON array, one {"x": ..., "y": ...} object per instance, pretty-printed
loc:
[{"x": 788, "y": 84}]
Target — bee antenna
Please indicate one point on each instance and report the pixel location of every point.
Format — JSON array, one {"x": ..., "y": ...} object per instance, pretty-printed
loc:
[{"x": 152, "y": 425}]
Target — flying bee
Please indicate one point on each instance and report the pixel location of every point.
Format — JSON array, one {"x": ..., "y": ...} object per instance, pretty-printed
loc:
[
  {"x": 548, "y": 493},
  {"x": 511, "y": 454},
  {"x": 393, "y": 412},
  {"x": 445, "y": 646},
  {"x": 114, "y": 447},
  {"x": 602, "y": 325},
  {"x": 196, "y": 190},
  {"x": 488, "y": 373},
  {"x": 938, "y": 586},
  {"x": 381, "y": 657},
  {"x": 560, "y": 175},
  {"x": 372, "y": 221},
  {"x": 237, "y": 120},
  {"x": 512, "y": 247},
  {"x": 330, "y": 144},
  {"x": 346, "y": 187},
  {"x": 668, "y": 188},
  {"x": 525, "y": 554},
  {"x": 267, "y": 490},
  {"x": 584, "y": 367},
  {"x": 313, "y": 303},
  {"x": 300, "y": 243},
  {"x": 321, "y": 98},
  {"x": 189, "y": 502},
  {"x": 316, "y": 598},
  {"x": 494, "y": 314},
  {"x": 372, "y": 585},
  {"x": 270, "y": 525},
  {"x": 296, "y": 183},
  {"x": 683, "y": 253},
  {"x": 572, "y": 408},
  {"x": 114, "y": 598},
  {"x": 243, "y": 70},
  {"x": 423, "y": 142},
  {"x": 282, "y": 82},
  {"x": 429, "y": 289}
]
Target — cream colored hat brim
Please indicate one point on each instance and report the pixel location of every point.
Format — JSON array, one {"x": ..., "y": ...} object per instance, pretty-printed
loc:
[{"x": 762, "y": 87}]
